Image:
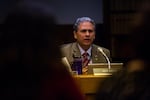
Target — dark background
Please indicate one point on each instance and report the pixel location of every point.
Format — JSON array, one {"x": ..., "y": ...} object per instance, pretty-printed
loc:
[{"x": 66, "y": 12}]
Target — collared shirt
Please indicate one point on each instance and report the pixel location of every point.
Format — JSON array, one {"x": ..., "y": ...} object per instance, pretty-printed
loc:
[{"x": 88, "y": 51}]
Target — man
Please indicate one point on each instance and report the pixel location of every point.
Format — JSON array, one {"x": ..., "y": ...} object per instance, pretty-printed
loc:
[{"x": 84, "y": 33}]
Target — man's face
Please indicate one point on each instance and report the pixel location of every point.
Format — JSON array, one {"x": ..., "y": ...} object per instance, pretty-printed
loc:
[{"x": 85, "y": 34}]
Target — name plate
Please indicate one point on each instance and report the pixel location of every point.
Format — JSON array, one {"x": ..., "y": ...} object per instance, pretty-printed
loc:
[
  {"x": 104, "y": 71},
  {"x": 102, "y": 68}
]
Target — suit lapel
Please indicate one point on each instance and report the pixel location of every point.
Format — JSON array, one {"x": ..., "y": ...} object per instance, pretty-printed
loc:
[
  {"x": 95, "y": 57},
  {"x": 76, "y": 51}
]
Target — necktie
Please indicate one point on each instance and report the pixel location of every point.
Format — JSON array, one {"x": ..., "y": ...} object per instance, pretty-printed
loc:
[{"x": 85, "y": 62}]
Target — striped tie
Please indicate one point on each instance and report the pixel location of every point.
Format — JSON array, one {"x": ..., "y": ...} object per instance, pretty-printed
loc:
[{"x": 85, "y": 63}]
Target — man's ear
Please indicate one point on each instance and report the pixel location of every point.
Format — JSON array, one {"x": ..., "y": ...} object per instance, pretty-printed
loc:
[{"x": 75, "y": 34}]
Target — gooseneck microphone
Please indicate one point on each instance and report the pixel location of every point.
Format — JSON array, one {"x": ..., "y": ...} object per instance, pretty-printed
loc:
[
  {"x": 108, "y": 61},
  {"x": 66, "y": 63}
]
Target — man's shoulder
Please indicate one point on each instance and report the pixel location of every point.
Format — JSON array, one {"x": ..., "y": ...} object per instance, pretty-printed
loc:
[
  {"x": 97, "y": 46},
  {"x": 67, "y": 45}
]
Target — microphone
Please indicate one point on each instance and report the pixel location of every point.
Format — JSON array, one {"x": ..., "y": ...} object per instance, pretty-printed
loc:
[
  {"x": 66, "y": 63},
  {"x": 108, "y": 61}
]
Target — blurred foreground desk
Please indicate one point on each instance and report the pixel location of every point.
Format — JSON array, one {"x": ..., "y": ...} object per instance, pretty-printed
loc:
[{"x": 89, "y": 84}]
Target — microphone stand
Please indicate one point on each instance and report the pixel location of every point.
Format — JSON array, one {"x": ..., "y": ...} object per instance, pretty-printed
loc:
[{"x": 108, "y": 61}]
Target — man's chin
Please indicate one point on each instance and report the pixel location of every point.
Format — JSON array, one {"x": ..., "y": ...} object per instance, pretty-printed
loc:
[{"x": 87, "y": 44}]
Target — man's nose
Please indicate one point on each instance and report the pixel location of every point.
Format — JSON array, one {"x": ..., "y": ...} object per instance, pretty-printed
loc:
[{"x": 87, "y": 33}]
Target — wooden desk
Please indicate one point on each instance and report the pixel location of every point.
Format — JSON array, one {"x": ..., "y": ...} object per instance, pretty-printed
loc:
[{"x": 89, "y": 84}]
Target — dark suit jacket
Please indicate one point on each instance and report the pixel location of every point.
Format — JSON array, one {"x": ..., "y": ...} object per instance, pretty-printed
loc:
[{"x": 71, "y": 50}]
